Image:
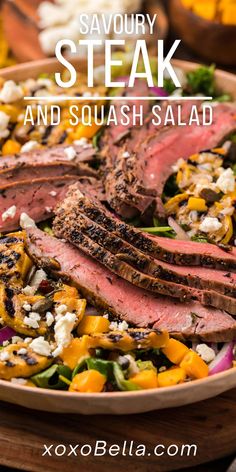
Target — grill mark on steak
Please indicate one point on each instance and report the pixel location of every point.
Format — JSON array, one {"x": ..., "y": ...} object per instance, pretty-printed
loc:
[
  {"x": 198, "y": 278},
  {"x": 70, "y": 227},
  {"x": 184, "y": 253},
  {"x": 123, "y": 299}
]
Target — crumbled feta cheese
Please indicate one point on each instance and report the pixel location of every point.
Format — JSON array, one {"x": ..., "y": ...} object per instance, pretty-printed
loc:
[
  {"x": 29, "y": 146},
  {"x": 26, "y": 306},
  {"x": 27, "y": 340},
  {"x": 44, "y": 81},
  {"x": 53, "y": 193},
  {"x": 49, "y": 318},
  {"x": 48, "y": 209},
  {"x": 121, "y": 326},
  {"x": 4, "y": 121},
  {"x": 26, "y": 221},
  {"x": 28, "y": 290},
  {"x": 126, "y": 154},
  {"x": 9, "y": 213},
  {"x": 5, "y": 343},
  {"x": 61, "y": 309},
  {"x": 162, "y": 369},
  {"x": 226, "y": 181},
  {"x": 106, "y": 316},
  {"x": 133, "y": 368},
  {"x": 70, "y": 153},
  {"x": 193, "y": 216},
  {"x": 41, "y": 346},
  {"x": 10, "y": 92},
  {"x": 87, "y": 94},
  {"x": 205, "y": 352},
  {"x": 32, "y": 320},
  {"x": 4, "y": 356},
  {"x": 22, "y": 351},
  {"x": 38, "y": 277},
  {"x": 63, "y": 328},
  {"x": 210, "y": 224},
  {"x": 16, "y": 339},
  {"x": 18, "y": 381},
  {"x": 82, "y": 142}
]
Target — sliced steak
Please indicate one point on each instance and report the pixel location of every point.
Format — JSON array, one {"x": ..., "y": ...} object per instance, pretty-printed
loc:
[
  {"x": 196, "y": 277},
  {"x": 37, "y": 198},
  {"x": 149, "y": 162},
  {"x": 40, "y": 170},
  {"x": 84, "y": 153},
  {"x": 183, "y": 253},
  {"x": 136, "y": 306},
  {"x": 71, "y": 226}
]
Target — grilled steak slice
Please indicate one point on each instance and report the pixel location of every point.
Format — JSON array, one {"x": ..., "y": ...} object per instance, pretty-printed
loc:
[
  {"x": 37, "y": 198},
  {"x": 149, "y": 162},
  {"x": 40, "y": 170},
  {"x": 183, "y": 253},
  {"x": 69, "y": 225},
  {"x": 136, "y": 306},
  {"x": 196, "y": 277},
  {"x": 84, "y": 153}
]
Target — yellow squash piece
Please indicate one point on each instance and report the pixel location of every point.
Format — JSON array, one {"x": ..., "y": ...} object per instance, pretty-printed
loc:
[
  {"x": 145, "y": 379},
  {"x": 14, "y": 364},
  {"x": 171, "y": 377},
  {"x": 194, "y": 366},
  {"x": 129, "y": 340},
  {"x": 174, "y": 202},
  {"x": 88, "y": 381},
  {"x": 10, "y": 147},
  {"x": 205, "y": 8},
  {"x": 15, "y": 263},
  {"x": 228, "y": 226},
  {"x": 85, "y": 131},
  {"x": 75, "y": 352},
  {"x": 175, "y": 350},
  {"x": 69, "y": 296},
  {"x": 197, "y": 204},
  {"x": 13, "y": 313},
  {"x": 93, "y": 324}
]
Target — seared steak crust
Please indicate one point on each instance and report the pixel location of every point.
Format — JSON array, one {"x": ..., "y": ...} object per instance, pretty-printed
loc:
[{"x": 189, "y": 320}]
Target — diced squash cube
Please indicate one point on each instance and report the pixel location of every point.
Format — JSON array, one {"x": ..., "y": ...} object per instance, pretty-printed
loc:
[
  {"x": 88, "y": 381},
  {"x": 229, "y": 15},
  {"x": 10, "y": 147},
  {"x": 145, "y": 379},
  {"x": 77, "y": 350},
  {"x": 188, "y": 3},
  {"x": 93, "y": 324},
  {"x": 194, "y": 366},
  {"x": 85, "y": 131},
  {"x": 171, "y": 377},
  {"x": 197, "y": 204},
  {"x": 65, "y": 292},
  {"x": 175, "y": 350}
]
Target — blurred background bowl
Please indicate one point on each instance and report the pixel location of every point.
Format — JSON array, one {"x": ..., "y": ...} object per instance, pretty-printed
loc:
[{"x": 210, "y": 40}]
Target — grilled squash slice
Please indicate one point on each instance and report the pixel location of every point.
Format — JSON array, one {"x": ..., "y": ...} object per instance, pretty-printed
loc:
[
  {"x": 14, "y": 262},
  {"x": 129, "y": 340},
  {"x": 15, "y": 316},
  {"x": 19, "y": 360}
]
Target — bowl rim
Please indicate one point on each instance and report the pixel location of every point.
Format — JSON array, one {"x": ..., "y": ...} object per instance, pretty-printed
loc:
[{"x": 184, "y": 387}]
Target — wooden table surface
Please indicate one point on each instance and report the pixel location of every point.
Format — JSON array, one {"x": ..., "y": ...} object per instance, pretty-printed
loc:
[{"x": 211, "y": 425}]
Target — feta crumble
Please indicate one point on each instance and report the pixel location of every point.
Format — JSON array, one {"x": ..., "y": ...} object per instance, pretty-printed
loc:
[
  {"x": 70, "y": 153},
  {"x": 18, "y": 381},
  {"x": 4, "y": 121},
  {"x": 10, "y": 92},
  {"x": 29, "y": 146},
  {"x": 120, "y": 326},
  {"x": 28, "y": 290},
  {"x": 26, "y": 221},
  {"x": 210, "y": 224},
  {"x": 41, "y": 346},
  {"x": 63, "y": 328},
  {"x": 49, "y": 318},
  {"x": 38, "y": 277},
  {"x": 205, "y": 352},
  {"x": 26, "y": 306},
  {"x": 22, "y": 351},
  {"x": 60, "y": 309},
  {"x": 53, "y": 193},
  {"x": 226, "y": 181},
  {"x": 4, "y": 356},
  {"x": 126, "y": 154},
  {"x": 16, "y": 339},
  {"x": 9, "y": 213},
  {"x": 32, "y": 320}
]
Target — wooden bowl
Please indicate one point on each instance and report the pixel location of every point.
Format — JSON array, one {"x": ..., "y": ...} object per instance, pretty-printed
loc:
[
  {"x": 212, "y": 41},
  {"x": 118, "y": 402},
  {"x": 20, "y": 23}
]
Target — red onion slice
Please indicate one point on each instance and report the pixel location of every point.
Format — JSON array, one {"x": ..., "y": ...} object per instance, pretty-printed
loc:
[
  {"x": 159, "y": 92},
  {"x": 224, "y": 359},
  {"x": 180, "y": 233},
  {"x": 6, "y": 333}
]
